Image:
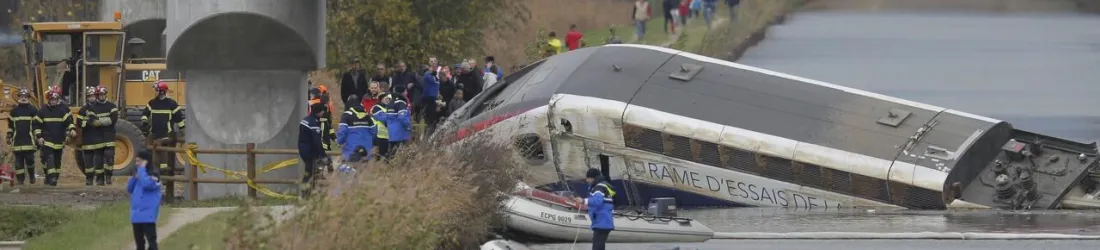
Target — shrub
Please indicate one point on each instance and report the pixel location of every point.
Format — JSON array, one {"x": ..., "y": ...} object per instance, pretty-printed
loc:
[{"x": 425, "y": 198}]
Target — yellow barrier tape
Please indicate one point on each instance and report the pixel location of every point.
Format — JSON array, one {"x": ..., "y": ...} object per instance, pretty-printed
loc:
[{"x": 194, "y": 161}]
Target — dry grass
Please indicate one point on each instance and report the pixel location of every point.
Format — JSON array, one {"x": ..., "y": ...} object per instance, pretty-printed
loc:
[
  {"x": 553, "y": 15},
  {"x": 426, "y": 198}
]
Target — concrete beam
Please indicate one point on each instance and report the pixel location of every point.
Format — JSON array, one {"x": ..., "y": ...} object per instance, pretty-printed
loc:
[
  {"x": 140, "y": 18},
  {"x": 247, "y": 64}
]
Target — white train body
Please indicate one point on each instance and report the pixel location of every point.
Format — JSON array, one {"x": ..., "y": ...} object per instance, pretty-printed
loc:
[{"x": 665, "y": 123}]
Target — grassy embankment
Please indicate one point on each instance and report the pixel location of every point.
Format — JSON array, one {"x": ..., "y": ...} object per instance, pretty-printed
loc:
[
  {"x": 425, "y": 198},
  {"x": 106, "y": 227},
  {"x": 726, "y": 40}
]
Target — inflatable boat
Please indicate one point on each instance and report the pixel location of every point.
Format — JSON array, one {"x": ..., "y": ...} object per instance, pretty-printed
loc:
[{"x": 555, "y": 217}]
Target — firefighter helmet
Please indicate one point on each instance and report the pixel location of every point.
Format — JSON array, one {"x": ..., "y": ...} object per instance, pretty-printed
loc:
[
  {"x": 90, "y": 90},
  {"x": 53, "y": 94},
  {"x": 101, "y": 90},
  {"x": 160, "y": 86}
]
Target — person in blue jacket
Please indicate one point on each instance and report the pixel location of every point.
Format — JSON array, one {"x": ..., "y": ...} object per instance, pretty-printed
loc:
[
  {"x": 144, "y": 190},
  {"x": 356, "y": 132},
  {"x": 381, "y": 114},
  {"x": 310, "y": 148},
  {"x": 600, "y": 204},
  {"x": 400, "y": 125}
]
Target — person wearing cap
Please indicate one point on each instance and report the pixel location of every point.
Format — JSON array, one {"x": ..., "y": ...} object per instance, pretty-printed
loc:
[
  {"x": 144, "y": 190},
  {"x": 354, "y": 81},
  {"x": 600, "y": 203},
  {"x": 310, "y": 148}
]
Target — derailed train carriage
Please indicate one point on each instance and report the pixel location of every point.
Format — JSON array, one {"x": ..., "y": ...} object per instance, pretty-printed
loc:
[{"x": 665, "y": 123}]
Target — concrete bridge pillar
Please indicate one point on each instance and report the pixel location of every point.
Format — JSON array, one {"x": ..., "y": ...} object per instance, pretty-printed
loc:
[
  {"x": 144, "y": 19},
  {"x": 247, "y": 63}
]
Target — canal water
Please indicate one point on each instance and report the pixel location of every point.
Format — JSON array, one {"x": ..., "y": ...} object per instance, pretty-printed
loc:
[{"x": 1038, "y": 71}]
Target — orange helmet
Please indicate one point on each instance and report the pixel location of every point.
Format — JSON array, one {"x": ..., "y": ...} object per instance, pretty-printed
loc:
[{"x": 324, "y": 90}]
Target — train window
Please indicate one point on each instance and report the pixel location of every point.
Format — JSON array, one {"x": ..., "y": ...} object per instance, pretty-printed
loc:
[
  {"x": 643, "y": 138},
  {"x": 493, "y": 96},
  {"x": 677, "y": 146},
  {"x": 705, "y": 152},
  {"x": 530, "y": 148},
  {"x": 738, "y": 159}
]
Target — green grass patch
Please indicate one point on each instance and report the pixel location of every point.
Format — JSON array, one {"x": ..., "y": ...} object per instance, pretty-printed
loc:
[
  {"x": 234, "y": 202},
  {"x": 208, "y": 233},
  {"x": 696, "y": 30},
  {"x": 106, "y": 227},
  {"x": 19, "y": 223},
  {"x": 654, "y": 31}
]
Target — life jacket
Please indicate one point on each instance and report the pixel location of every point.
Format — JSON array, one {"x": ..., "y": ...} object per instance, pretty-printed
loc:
[{"x": 380, "y": 118}]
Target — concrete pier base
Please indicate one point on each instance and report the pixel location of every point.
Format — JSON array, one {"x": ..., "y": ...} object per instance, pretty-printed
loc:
[{"x": 247, "y": 63}]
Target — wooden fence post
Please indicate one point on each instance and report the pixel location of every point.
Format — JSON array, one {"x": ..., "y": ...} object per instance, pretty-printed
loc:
[
  {"x": 193, "y": 193},
  {"x": 169, "y": 186},
  {"x": 250, "y": 151}
]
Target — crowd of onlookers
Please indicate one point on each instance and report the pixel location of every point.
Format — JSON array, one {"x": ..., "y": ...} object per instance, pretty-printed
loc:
[
  {"x": 433, "y": 91},
  {"x": 676, "y": 13}
]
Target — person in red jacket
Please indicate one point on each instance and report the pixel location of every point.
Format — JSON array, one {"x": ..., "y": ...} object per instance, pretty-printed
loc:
[
  {"x": 373, "y": 91},
  {"x": 573, "y": 38}
]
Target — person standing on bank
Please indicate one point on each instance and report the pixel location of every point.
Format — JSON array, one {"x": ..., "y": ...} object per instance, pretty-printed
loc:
[
  {"x": 144, "y": 190},
  {"x": 600, "y": 202}
]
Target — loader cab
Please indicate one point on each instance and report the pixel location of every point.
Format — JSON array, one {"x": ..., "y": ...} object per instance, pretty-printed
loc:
[{"x": 75, "y": 55}]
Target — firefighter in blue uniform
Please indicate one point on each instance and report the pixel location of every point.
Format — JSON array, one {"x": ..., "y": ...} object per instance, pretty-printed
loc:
[
  {"x": 108, "y": 116},
  {"x": 21, "y": 127},
  {"x": 161, "y": 114},
  {"x": 600, "y": 204},
  {"x": 399, "y": 124},
  {"x": 356, "y": 132},
  {"x": 309, "y": 145},
  {"x": 57, "y": 127}
]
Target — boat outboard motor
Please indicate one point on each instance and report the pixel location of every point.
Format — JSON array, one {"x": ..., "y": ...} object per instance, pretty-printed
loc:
[{"x": 663, "y": 206}]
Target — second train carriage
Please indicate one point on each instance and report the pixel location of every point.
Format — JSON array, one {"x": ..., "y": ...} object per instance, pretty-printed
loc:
[{"x": 666, "y": 123}]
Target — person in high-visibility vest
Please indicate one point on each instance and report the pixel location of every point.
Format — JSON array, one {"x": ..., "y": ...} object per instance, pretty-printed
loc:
[
  {"x": 381, "y": 117},
  {"x": 600, "y": 203}
]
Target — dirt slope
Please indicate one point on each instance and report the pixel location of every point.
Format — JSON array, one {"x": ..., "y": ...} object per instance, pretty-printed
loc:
[{"x": 555, "y": 15}]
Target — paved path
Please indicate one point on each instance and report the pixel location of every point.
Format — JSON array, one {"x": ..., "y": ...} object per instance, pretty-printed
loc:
[{"x": 184, "y": 216}]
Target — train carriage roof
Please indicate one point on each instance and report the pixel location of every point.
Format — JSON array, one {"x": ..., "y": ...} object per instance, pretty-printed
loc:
[{"x": 735, "y": 95}]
